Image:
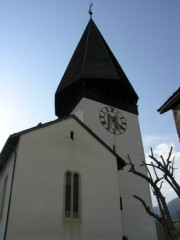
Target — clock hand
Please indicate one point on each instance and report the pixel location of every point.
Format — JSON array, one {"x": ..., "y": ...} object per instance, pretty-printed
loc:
[
  {"x": 109, "y": 119},
  {"x": 116, "y": 123},
  {"x": 112, "y": 121},
  {"x": 121, "y": 126}
]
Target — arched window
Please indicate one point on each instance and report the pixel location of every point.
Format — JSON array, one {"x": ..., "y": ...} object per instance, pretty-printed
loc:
[{"x": 71, "y": 195}]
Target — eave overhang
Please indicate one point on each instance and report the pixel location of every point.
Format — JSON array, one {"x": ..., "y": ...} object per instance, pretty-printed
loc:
[{"x": 171, "y": 102}]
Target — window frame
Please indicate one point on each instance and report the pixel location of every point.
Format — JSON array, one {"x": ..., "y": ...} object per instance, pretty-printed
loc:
[{"x": 74, "y": 205}]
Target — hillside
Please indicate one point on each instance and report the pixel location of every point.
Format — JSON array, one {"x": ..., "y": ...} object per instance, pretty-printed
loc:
[{"x": 174, "y": 208}]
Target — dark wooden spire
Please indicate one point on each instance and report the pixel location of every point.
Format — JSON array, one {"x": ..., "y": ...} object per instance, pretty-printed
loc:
[{"x": 93, "y": 72}]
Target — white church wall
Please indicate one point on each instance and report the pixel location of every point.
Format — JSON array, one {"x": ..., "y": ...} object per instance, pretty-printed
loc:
[
  {"x": 5, "y": 187},
  {"x": 136, "y": 223},
  {"x": 38, "y": 190}
]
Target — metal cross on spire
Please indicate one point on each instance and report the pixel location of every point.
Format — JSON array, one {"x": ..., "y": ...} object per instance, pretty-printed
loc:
[{"x": 90, "y": 11}]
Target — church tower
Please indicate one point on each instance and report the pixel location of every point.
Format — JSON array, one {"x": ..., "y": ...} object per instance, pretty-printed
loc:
[
  {"x": 67, "y": 179},
  {"x": 96, "y": 89}
]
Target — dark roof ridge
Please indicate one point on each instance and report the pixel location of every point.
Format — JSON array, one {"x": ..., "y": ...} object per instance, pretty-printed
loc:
[{"x": 83, "y": 65}]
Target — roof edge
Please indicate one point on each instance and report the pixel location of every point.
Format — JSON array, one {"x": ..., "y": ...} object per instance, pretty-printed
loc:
[
  {"x": 170, "y": 102},
  {"x": 13, "y": 140}
]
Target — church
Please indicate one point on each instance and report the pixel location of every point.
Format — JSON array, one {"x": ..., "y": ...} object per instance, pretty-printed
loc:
[{"x": 67, "y": 179}]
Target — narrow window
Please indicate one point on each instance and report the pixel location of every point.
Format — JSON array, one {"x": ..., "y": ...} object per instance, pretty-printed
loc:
[
  {"x": 114, "y": 148},
  {"x": 72, "y": 195},
  {"x": 3, "y": 195},
  {"x": 75, "y": 195},
  {"x": 121, "y": 205},
  {"x": 72, "y": 135},
  {"x": 68, "y": 195}
]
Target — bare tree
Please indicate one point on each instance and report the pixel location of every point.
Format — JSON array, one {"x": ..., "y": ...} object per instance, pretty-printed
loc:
[{"x": 166, "y": 168}]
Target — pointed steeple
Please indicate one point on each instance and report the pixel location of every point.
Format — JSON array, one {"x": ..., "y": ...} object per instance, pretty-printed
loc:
[{"x": 93, "y": 72}]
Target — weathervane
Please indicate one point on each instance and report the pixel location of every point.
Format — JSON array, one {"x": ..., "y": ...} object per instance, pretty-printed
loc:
[{"x": 90, "y": 11}]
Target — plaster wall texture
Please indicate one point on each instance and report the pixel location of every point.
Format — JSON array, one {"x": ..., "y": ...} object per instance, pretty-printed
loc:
[
  {"x": 136, "y": 223},
  {"x": 37, "y": 202},
  {"x": 6, "y": 172}
]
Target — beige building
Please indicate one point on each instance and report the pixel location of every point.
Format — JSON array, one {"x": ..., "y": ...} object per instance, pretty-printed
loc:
[
  {"x": 173, "y": 103},
  {"x": 67, "y": 179}
]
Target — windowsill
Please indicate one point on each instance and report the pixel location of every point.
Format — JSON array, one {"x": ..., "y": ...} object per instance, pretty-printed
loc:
[{"x": 72, "y": 220}]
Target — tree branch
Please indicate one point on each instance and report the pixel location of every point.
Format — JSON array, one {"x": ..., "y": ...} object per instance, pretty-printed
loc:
[
  {"x": 166, "y": 218},
  {"x": 148, "y": 209}
]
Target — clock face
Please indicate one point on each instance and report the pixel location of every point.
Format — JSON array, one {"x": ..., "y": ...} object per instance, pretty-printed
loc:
[{"x": 112, "y": 120}]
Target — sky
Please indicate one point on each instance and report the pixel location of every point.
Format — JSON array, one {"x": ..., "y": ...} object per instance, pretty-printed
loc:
[{"x": 38, "y": 38}]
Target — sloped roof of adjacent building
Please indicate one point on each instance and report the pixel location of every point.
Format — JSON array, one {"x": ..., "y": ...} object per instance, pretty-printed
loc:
[
  {"x": 171, "y": 102},
  {"x": 92, "y": 64},
  {"x": 13, "y": 139}
]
